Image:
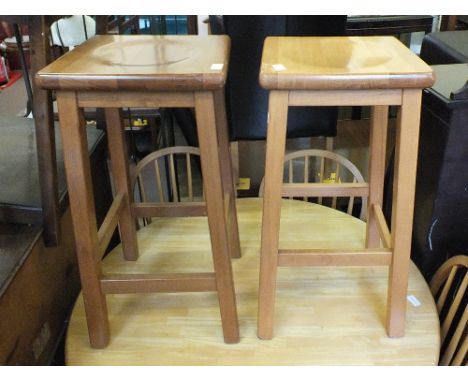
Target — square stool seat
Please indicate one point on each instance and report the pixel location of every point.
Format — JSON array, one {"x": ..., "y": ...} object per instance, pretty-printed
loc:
[
  {"x": 372, "y": 62},
  {"x": 344, "y": 71},
  {"x": 114, "y": 62}
]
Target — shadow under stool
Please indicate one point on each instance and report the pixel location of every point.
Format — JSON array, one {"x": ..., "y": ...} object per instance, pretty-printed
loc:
[
  {"x": 113, "y": 72},
  {"x": 344, "y": 71}
]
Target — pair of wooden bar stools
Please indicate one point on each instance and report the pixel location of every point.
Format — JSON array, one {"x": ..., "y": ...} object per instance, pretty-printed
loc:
[{"x": 112, "y": 72}]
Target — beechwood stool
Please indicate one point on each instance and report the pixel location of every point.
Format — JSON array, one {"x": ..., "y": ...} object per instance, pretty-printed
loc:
[
  {"x": 344, "y": 71},
  {"x": 112, "y": 72}
]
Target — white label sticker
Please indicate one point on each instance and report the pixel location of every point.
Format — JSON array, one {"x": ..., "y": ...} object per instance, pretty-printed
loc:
[
  {"x": 413, "y": 300},
  {"x": 217, "y": 67},
  {"x": 279, "y": 67}
]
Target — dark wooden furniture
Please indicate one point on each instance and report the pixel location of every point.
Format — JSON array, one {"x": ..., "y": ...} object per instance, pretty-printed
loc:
[
  {"x": 192, "y": 24},
  {"x": 117, "y": 24},
  {"x": 171, "y": 71},
  {"x": 349, "y": 71},
  {"x": 20, "y": 192},
  {"x": 388, "y": 25},
  {"x": 441, "y": 204},
  {"x": 453, "y": 22},
  {"x": 38, "y": 284},
  {"x": 40, "y": 56}
]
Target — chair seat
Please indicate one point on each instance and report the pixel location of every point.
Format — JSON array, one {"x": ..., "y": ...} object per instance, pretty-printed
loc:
[
  {"x": 441, "y": 48},
  {"x": 369, "y": 62},
  {"x": 141, "y": 63}
]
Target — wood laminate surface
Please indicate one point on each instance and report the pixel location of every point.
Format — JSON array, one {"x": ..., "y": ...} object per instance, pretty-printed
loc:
[
  {"x": 110, "y": 62},
  {"x": 324, "y": 315},
  {"x": 364, "y": 62}
]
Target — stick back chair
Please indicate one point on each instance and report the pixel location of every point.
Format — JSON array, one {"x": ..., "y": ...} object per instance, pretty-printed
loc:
[
  {"x": 448, "y": 286},
  {"x": 324, "y": 167},
  {"x": 159, "y": 177}
]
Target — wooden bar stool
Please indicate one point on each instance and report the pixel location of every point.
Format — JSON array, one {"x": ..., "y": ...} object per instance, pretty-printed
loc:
[
  {"x": 112, "y": 72},
  {"x": 344, "y": 71}
]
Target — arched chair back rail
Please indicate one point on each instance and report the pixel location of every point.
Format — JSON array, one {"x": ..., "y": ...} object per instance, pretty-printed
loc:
[
  {"x": 449, "y": 288},
  {"x": 322, "y": 166},
  {"x": 168, "y": 175}
]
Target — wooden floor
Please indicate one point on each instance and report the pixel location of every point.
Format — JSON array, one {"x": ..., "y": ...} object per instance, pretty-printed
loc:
[{"x": 324, "y": 316}]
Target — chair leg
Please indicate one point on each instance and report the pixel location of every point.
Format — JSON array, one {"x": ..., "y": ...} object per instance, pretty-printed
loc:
[
  {"x": 215, "y": 200},
  {"x": 378, "y": 144},
  {"x": 227, "y": 174},
  {"x": 120, "y": 176},
  {"x": 234, "y": 148},
  {"x": 45, "y": 132},
  {"x": 403, "y": 203},
  {"x": 329, "y": 143},
  {"x": 76, "y": 157},
  {"x": 276, "y": 142}
]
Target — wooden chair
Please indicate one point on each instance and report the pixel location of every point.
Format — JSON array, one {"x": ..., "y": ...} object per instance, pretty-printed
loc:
[
  {"x": 164, "y": 186},
  {"x": 321, "y": 166},
  {"x": 449, "y": 285}
]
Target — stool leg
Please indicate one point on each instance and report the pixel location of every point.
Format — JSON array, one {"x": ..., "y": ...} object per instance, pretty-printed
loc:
[
  {"x": 276, "y": 143},
  {"x": 120, "y": 176},
  {"x": 378, "y": 145},
  {"x": 215, "y": 199},
  {"x": 78, "y": 172},
  {"x": 406, "y": 154},
  {"x": 227, "y": 174}
]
